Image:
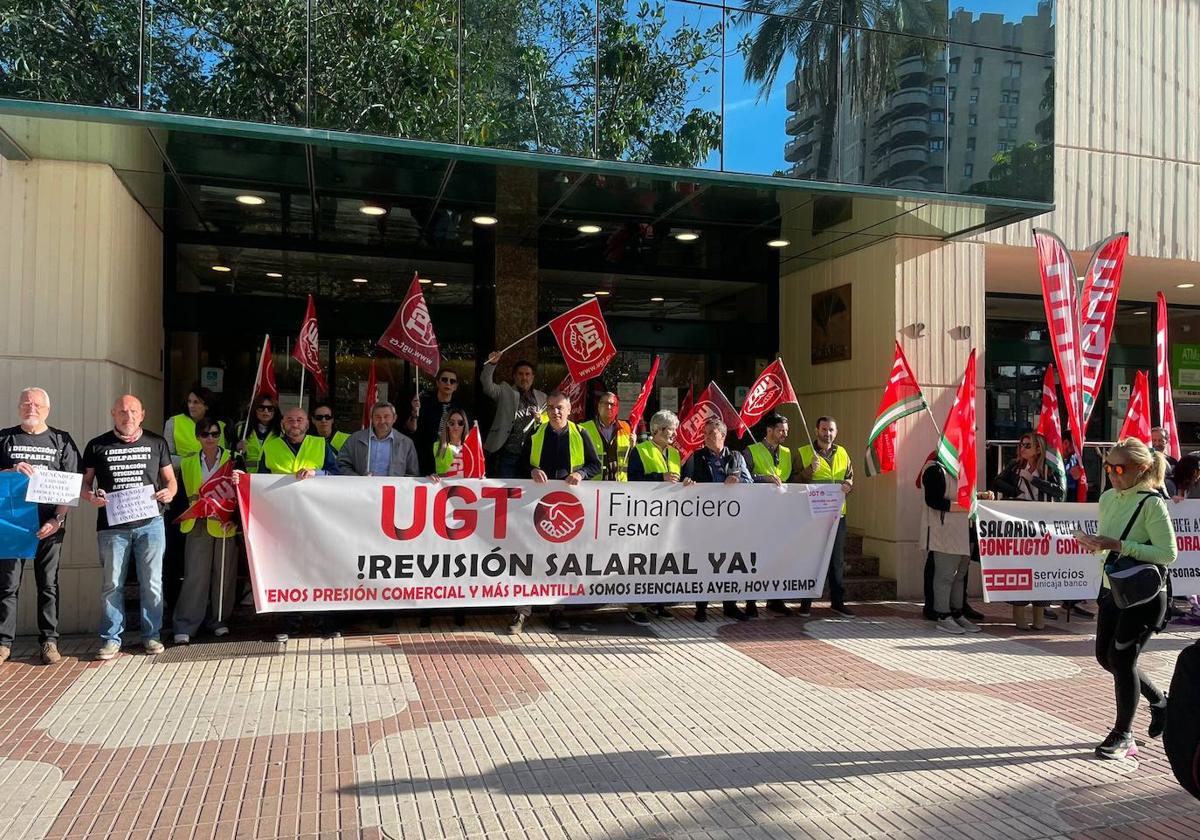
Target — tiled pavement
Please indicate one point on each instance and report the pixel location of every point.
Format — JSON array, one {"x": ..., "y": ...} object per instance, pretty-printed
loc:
[{"x": 876, "y": 727}]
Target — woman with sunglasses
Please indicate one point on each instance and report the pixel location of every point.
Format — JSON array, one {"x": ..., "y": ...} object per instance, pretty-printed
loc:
[
  {"x": 1029, "y": 478},
  {"x": 322, "y": 415},
  {"x": 210, "y": 553},
  {"x": 447, "y": 458},
  {"x": 429, "y": 413},
  {"x": 1134, "y": 523},
  {"x": 264, "y": 425}
]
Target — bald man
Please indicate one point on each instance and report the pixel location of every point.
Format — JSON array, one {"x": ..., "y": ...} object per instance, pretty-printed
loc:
[{"x": 124, "y": 458}]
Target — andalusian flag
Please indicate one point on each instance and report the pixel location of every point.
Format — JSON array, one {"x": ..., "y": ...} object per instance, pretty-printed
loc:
[
  {"x": 1049, "y": 428},
  {"x": 956, "y": 449},
  {"x": 901, "y": 398}
]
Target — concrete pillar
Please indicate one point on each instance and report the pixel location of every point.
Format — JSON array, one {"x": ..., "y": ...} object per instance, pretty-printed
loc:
[
  {"x": 516, "y": 269},
  {"x": 81, "y": 272},
  {"x": 894, "y": 287}
]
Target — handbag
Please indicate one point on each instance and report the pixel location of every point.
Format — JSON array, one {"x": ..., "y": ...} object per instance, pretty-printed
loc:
[{"x": 1130, "y": 581}]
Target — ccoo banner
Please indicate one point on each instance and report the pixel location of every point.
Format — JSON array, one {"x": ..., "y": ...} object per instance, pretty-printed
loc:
[
  {"x": 1028, "y": 552},
  {"x": 378, "y": 543}
]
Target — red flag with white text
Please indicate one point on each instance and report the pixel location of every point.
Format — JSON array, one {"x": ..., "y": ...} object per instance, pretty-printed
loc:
[
  {"x": 472, "y": 454},
  {"x": 1062, "y": 316},
  {"x": 1137, "y": 416},
  {"x": 264, "y": 380},
  {"x": 772, "y": 388},
  {"x": 688, "y": 401},
  {"x": 370, "y": 397},
  {"x": 639, "y": 405},
  {"x": 956, "y": 449},
  {"x": 1166, "y": 404},
  {"x": 1098, "y": 310},
  {"x": 583, "y": 338},
  {"x": 307, "y": 350},
  {"x": 1050, "y": 428},
  {"x": 712, "y": 404},
  {"x": 410, "y": 334},
  {"x": 216, "y": 498}
]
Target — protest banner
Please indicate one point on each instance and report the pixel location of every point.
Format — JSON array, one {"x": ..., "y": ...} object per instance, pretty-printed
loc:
[
  {"x": 1027, "y": 550},
  {"x": 52, "y": 487},
  {"x": 379, "y": 543}
]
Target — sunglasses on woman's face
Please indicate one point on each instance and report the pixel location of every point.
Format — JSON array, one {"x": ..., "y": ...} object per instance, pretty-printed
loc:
[
  {"x": 457, "y": 423},
  {"x": 322, "y": 416},
  {"x": 211, "y": 434},
  {"x": 1119, "y": 469},
  {"x": 270, "y": 408},
  {"x": 447, "y": 380}
]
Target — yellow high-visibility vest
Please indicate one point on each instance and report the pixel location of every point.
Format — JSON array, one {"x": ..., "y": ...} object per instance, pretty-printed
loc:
[
  {"x": 653, "y": 461},
  {"x": 762, "y": 462},
  {"x": 338, "y": 441},
  {"x": 193, "y": 478},
  {"x": 624, "y": 443},
  {"x": 826, "y": 472},
  {"x": 280, "y": 460},
  {"x": 574, "y": 446},
  {"x": 443, "y": 459},
  {"x": 254, "y": 449},
  {"x": 183, "y": 432}
]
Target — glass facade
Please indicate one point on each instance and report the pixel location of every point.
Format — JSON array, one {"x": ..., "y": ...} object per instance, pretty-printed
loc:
[{"x": 914, "y": 95}]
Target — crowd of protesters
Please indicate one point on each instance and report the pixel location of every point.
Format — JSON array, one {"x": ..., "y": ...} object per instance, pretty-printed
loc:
[{"x": 531, "y": 436}]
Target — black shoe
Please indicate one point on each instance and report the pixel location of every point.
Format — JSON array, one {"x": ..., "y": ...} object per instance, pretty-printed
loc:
[
  {"x": 1158, "y": 719},
  {"x": 702, "y": 614},
  {"x": 1117, "y": 745},
  {"x": 639, "y": 618},
  {"x": 460, "y": 619},
  {"x": 662, "y": 612},
  {"x": 971, "y": 613},
  {"x": 805, "y": 611},
  {"x": 842, "y": 610},
  {"x": 929, "y": 614},
  {"x": 426, "y": 621},
  {"x": 778, "y": 607},
  {"x": 752, "y": 609},
  {"x": 1049, "y": 614},
  {"x": 1081, "y": 612},
  {"x": 734, "y": 613},
  {"x": 558, "y": 622}
]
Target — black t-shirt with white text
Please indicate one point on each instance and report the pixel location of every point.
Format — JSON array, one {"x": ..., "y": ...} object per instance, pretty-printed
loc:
[
  {"x": 120, "y": 466},
  {"x": 53, "y": 449}
]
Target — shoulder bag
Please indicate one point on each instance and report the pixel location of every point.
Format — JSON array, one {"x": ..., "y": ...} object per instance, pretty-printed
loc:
[{"x": 1131, "y": 581}]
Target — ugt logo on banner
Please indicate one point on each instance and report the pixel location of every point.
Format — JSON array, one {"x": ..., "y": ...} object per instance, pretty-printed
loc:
[{"x": 558, "y": 516}]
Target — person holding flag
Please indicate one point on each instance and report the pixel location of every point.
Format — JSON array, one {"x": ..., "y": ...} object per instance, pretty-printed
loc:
[
  {"x": 323, "y": 423},
  {"x": 946, "y": 538},
  {"x": 518, "y": 407},
  {"x": 612, "y": 438},
  {"x": 824, "y": 462},
  {"x": 264, "y": 426},
  {"x": 209, "y": 554},
  {"x": 429, "y": 413}
]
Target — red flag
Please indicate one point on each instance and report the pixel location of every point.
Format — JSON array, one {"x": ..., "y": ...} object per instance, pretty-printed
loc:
[
  {"x": 956, "y": 449},
  {"x": 1137, "y": 417},
  {"x": 1166, "y": 405},
  {"x": 307, "y": 346},
  {"x": 217, "y": 497},
  {"x": 576, "y": 392},
  {"x": 1062, "y": 315},
  {"x": 371, "y": 397},
  {"x": 712, "y": 404},
  {"x": 410, "y": 335},
  {"x": 472, "y": 454},
  {"x": 772, "y": 388},
  {"x": 583, "y": 338},
  {"x": 1098, "y": 309},
  {"x": 639, "y": 405},
  {"x": 686, "y": 405},
  {"x": 1050, "y": 428},
  {"x": 901, "y": 397},
  {"x": 264, "y": 380}
]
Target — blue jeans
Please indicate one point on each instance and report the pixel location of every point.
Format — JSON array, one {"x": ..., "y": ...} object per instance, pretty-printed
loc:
[{"x": 146, "y": 544}]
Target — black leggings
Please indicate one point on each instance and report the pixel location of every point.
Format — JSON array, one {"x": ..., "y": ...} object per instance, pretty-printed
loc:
[{"x": 1120, "y": 637}]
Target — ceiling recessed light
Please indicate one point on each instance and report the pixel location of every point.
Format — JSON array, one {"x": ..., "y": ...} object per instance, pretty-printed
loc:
[
  {"x": 274, "y": 275},
  {"x": 424, "y": 281},
  {"x": 222, "y": 268},
  {"x": 358, "y": 279},
  {"x": 1184, "y": 285},
  {"x": 251, "y": 200},
  {"x": 372, "y": 210},
  {"x": 440, "y": 285},
  {"x": 484, "y": 220},
  {"x": 588, "y": 228},
  {"x": 778, "y": 243},
  {"x": 729, "y": 371},
  {"x": 602, "y": 293},
  {"x": 1141, "y": 312},
  {"x": 467, "y": 243},
  {"x": 589, "y": 294},
  {"x": 687, "y": 236},
  {"x": 656, "y": 300}
]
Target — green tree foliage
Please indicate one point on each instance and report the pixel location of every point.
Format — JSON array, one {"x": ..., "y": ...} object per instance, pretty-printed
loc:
[{"x": 527, "y": 72}]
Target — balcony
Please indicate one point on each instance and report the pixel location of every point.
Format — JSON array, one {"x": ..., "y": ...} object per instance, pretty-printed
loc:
[
  {"x": 905, "y": 160},
  {"x": 915, "y": 127},
  {"x": 911, "y": 97},
  {"x": 798, "y": 123},
  {"x": 792, "y": 99},
  {"x": 796, "y": 149}
]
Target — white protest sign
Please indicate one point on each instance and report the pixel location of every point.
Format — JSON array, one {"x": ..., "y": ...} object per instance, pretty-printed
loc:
[
  {"x": 130, "y": 505},
  {"x": 824, "y": 499},
  {"x": 53, "y": 487},
  {"x": 370, "y": 543}
]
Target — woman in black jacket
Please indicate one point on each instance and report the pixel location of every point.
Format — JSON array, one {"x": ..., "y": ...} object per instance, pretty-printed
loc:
[{"x": 1029, "y": 478}]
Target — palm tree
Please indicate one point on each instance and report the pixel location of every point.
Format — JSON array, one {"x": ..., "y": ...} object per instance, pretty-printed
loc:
[{"x": 856, "y": 38}]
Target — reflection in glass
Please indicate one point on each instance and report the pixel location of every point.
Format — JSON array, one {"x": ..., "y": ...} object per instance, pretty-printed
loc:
[
  {"x": 237, "y": 60},
  {"x": 659, "y": 70},
  {"x": 386, "y": 67},
  {"x": 76, "y": 52},
  {"x": 1025, "y": 25},
  {"x": 529, "y": 75}
]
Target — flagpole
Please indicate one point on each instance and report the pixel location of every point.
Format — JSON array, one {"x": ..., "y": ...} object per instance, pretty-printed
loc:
[
  {"x": 254, "y": 392},
  {"x": 936, "y": 428},
  {"x": 807, "y": 431},
  {"x": 522, "y": 338},
  {"x": 220, "y": 578},
  {"x": 302, "y": 371}
]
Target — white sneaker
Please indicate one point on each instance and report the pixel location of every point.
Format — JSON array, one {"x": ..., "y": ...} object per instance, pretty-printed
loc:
[
  {"x": 949, "y": 625},
  {"x": 967, "y": 626},
  {"x": 221, "y": 630},
  {"x": 183, "y": 639}
]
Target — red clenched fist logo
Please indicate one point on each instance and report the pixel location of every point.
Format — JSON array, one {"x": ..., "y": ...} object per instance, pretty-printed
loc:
[
  {"x": 558, "y": 516},
  {"x": 417, "y": 324},
  {"x": 691, "y": 431},
  {"x": 765, "y": 393},
  {"x": 586, "y": 338}
]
